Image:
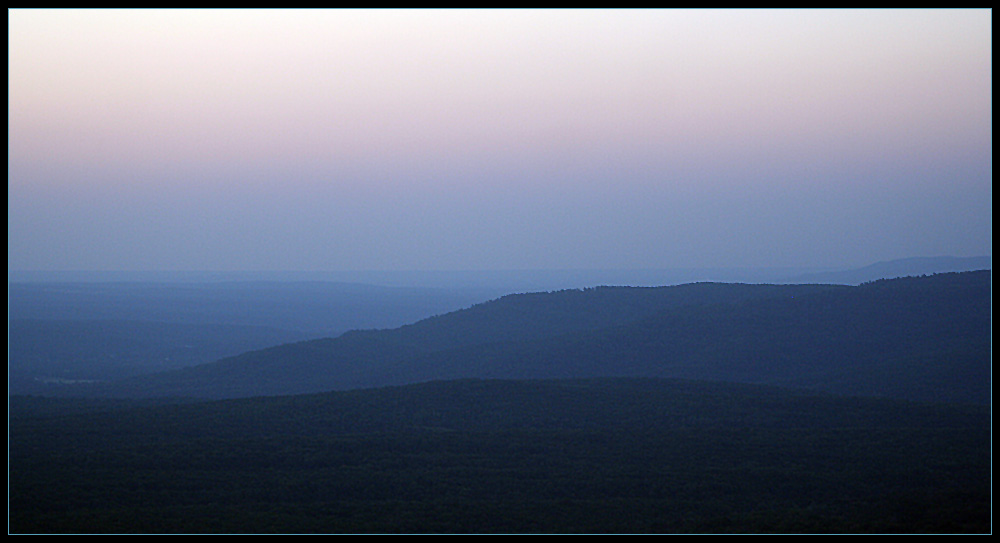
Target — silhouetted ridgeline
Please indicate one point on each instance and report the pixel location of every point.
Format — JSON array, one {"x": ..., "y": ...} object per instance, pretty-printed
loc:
[
  {"x": 904, "y": 267},
  {"x": 926, "y": 338}
]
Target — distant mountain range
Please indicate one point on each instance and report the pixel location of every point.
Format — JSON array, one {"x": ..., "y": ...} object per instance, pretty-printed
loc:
[
  {"x": 923, "y": 338},
  {"x": 312, "y": 308},
  {"x": 493, "y": 283},
  {"x": 897, "y": 268}
]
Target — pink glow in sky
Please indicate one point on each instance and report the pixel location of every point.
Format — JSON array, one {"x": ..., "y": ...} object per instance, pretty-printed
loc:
[{"x": 477, "y": 139}]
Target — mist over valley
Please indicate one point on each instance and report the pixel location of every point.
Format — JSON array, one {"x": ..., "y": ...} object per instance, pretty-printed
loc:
[{"x": 500, "y": 271}]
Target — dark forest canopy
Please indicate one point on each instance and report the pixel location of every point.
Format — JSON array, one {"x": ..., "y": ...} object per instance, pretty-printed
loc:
[{"x": 488, "y": 456}]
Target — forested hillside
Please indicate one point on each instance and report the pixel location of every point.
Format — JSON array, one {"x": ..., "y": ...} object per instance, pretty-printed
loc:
[{"x": 923, "y": 338}]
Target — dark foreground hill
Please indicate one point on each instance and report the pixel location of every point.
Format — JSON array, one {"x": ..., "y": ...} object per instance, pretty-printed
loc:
[
  {"x": 472, "y": 456},
  {"x": 925, "y": 338}
]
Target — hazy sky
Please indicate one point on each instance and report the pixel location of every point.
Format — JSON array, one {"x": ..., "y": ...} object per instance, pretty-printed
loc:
[{"x": 481, "y": 139}]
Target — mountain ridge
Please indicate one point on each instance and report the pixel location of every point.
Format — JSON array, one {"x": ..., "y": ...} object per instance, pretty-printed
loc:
[
  {"x": 892, "y": 269},
  {"x": 779, "y": 334}
]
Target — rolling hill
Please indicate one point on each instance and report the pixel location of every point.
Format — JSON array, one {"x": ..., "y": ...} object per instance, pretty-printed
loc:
[{"x": 926, "y": 338}]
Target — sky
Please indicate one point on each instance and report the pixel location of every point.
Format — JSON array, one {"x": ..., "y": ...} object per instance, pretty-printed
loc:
[{"x": 496, "y": 139}]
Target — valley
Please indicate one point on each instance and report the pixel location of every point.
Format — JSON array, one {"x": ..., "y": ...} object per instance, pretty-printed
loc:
[{"x": 692, "y": 408}]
